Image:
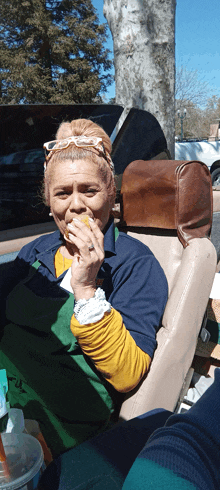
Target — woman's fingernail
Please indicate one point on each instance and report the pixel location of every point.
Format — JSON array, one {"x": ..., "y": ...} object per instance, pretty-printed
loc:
[
  {"x": 75, "y": 219},
  {"x": 91, "y": 219},
  {"x": 71, "y": 236},
  {"x": 70, "y": 226}
]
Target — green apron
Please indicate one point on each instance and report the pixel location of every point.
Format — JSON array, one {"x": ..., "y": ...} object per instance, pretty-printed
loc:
[{"x": 49, "y": 377}]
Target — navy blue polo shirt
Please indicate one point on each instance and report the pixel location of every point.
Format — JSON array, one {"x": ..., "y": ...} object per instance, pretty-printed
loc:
[{"x": 133, "y": 280}]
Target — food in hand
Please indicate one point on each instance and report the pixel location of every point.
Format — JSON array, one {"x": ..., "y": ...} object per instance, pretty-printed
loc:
[{"x": 84, "y": 219}]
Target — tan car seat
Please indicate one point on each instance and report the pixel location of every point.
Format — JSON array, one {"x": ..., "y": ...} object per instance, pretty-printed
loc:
[
  {"x": 168, "y": 206},
  {"x": 215, "y": 234}
]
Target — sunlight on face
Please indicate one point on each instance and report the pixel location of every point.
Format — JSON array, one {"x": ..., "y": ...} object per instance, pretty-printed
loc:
[{"x": 77, "y": 189}]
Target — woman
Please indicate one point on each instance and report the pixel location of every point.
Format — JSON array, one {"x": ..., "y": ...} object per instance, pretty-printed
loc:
[{"x": 70, "y": 355}]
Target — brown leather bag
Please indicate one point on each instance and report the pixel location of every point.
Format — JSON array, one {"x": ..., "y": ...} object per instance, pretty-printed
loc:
[{"x": 168, "y": 194}]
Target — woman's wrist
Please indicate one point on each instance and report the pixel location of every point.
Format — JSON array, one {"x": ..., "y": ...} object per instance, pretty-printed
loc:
[{"x": 84, "y": 292}]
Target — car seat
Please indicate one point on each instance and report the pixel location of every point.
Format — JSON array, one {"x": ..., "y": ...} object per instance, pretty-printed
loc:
[
  {"x": 168, "y": 206},
  {"x": 215, "y": 233}
]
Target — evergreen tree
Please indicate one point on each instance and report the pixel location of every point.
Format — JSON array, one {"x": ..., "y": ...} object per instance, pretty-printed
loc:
[{"x": 51, "y": 51}]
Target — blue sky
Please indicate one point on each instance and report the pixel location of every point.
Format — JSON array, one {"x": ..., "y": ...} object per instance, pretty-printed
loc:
[{"x": 197, "y": 39}]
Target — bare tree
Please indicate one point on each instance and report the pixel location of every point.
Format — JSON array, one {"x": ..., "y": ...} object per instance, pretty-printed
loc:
[
  {"x": 197, "y": 122},
  {"x": 144, "y": 56},
  {"x": 190, "y": 88},
  {"x": 193, "y": 94}
]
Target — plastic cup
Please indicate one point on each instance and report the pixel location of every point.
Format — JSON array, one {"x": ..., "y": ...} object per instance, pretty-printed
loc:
[{"x": 25, "y": 460}]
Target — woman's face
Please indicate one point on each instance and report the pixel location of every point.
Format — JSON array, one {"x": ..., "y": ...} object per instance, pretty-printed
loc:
[{"x": 77, "y": 189}]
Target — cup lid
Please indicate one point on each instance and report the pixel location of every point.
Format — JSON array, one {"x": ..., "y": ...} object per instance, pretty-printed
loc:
[{"x": 24, "y": 456}]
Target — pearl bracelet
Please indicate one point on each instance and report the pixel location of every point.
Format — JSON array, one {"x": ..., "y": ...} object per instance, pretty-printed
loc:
[{"x": 93, "y": 309}]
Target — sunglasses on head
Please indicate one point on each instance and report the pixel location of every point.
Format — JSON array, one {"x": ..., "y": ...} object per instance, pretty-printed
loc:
[{"x": 80, "y": 142}]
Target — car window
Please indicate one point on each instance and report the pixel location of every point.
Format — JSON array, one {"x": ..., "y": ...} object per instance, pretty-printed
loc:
[{"x": 28, "y": 156}]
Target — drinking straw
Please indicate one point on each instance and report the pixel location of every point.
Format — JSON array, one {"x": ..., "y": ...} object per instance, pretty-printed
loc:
[
  {"x": 3, "y": 460},
  {"x": 32, "y": 427},
  {"x": 47, "y": 453}
]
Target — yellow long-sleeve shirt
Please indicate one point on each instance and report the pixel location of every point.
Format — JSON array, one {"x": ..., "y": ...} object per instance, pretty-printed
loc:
[{"x": 109, "y": 344}]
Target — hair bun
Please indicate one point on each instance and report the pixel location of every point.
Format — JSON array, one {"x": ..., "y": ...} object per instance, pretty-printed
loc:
[
  {"x": 64, "y": 131},
  {"x": 84, "y": 127}
]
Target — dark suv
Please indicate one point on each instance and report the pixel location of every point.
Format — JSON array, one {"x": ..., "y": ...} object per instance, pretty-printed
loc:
[
  {"x": 24, "y": 129},
  {"x": 21, "y": 176}
]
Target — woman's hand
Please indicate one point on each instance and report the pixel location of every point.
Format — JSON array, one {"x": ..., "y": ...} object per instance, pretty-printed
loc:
[{"x": 88, "y": 258}]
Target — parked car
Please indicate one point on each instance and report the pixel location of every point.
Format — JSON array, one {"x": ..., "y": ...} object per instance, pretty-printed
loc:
[
  {"x": 21, "y": 176},
  {"x": 207, "y": 152}
]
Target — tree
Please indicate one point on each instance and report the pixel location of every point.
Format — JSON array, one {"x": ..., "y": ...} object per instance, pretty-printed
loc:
[
  {"x": 143, "y": 35},
  {"x": 51, "y": 51},
  {"x": 211, "y": 113},
  {"x": 193, "y": 122},
  {"x": 193, "y": 94},
  {"x": 190, "y": 86},
  {"x": 197, "y": 122}
]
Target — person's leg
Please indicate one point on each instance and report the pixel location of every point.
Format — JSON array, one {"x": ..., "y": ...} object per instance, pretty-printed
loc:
[
  {"x": 104, "y": 461},
  {"x": 185, "y": 453}
]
